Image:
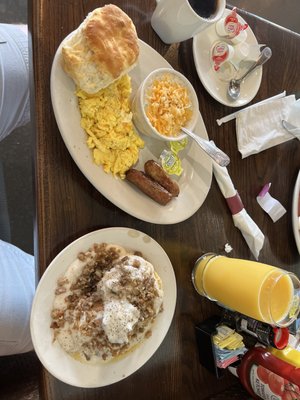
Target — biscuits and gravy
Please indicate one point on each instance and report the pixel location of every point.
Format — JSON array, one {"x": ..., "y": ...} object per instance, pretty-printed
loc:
[{"x": 105, "y": 303}]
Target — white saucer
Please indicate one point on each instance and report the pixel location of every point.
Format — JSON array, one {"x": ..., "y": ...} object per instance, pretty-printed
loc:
[{"x": 217, "y": 88}]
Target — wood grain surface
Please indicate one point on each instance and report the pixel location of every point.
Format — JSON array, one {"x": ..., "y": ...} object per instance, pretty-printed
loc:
[{"x": 68, "y": 206}]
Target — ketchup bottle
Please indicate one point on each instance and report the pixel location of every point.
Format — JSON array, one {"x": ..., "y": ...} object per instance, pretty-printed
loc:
[{"x": 265, "y": 376}]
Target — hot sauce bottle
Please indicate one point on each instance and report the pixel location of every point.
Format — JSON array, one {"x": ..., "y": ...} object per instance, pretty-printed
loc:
[
  {"x": 266, "y": 376},
  {"x": 266, "y": 334}
]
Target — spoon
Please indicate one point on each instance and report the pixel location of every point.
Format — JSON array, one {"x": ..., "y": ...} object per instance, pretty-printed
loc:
[
  {"x": 210, "y": 148},
  {"x": 293, "y": 130},
  {"x": 234, "y": 84}
]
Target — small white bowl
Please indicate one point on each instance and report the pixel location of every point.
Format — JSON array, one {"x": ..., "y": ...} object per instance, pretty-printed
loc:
[{"x": 140, "y": 119}]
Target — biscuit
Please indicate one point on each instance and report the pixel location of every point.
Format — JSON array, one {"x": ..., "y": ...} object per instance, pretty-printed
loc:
[{"x": 102, "y": 49}]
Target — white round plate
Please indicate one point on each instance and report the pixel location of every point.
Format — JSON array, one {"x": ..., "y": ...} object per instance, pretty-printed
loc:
[
  {"x": 217, "y": 88},
  {"x": 295, "y": 212},
  {"x": 194, "y": 182},
  {"x": 54, "y": 358}
]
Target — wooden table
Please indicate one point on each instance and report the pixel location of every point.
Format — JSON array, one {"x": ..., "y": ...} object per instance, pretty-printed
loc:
[{"x": 68, "y": 206}]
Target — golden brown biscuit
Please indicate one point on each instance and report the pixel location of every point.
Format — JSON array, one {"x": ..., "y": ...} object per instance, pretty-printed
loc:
[{"x": 102, "y": 49}]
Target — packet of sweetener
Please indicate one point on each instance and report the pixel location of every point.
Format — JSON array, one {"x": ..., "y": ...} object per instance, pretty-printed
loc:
[
  {"x": 227, "y": 338},
  {"x": 228, "y": 346}
]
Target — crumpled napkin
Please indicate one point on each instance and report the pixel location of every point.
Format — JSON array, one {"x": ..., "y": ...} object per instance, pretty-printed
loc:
[
  {"x": 260, "y": 127},
  {"x": 241, "y": 219}
]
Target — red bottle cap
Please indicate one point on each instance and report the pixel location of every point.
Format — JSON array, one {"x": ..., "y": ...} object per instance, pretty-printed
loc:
[{"x": 281, "y": 337}]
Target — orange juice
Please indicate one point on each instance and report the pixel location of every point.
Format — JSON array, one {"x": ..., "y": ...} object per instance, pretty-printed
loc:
[{"x": 260, "y": 291}]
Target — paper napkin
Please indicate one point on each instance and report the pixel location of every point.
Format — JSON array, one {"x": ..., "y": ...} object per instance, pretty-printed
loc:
[
  {"x": 241, "y": 219},
  {"x": 232, "y": 116},
  {"x": 260, "y": 127},
  {"x": 293, "y": 114}
]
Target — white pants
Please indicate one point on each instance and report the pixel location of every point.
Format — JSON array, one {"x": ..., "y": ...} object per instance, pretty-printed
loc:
[
  {"x": 17, "y": 270},
  {"x": 14, "y": 79},
  {"x": 17, "y": 287}
]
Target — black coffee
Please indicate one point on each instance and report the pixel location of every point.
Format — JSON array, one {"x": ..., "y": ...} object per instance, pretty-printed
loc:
[{"x": 204, "y": 8}]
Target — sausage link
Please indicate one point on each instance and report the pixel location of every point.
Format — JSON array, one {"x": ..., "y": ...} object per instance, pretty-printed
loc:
[
  {"x": 156, "y": 172},
  {"x": 148, "y": 186}
]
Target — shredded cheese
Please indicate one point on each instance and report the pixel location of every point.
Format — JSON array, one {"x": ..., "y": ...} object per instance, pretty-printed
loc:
[{"x": 168, "y": 106}]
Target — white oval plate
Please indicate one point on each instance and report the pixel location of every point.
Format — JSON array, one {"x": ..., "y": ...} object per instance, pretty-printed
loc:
[
  {"x": 202, "y": 45},
  {"x": 194, "y": 182},
  {"x": 295, "y": 212},
  {"x": 54, "y": 358}
]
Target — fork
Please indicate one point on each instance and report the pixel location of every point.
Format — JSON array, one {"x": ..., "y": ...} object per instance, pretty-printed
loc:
[{"x": 210, "y": 148}]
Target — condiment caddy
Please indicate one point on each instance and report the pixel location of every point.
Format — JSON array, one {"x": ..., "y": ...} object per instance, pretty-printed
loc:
[{"x": 260, "y": 355}]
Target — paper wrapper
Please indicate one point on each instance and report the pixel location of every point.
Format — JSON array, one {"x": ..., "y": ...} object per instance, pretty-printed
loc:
[
  {"x": 270, "y": 205},
  {"x": 241, "y": 219}
]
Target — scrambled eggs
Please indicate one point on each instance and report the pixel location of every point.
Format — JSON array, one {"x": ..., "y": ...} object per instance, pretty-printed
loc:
[{"x": 107, "y": 119}]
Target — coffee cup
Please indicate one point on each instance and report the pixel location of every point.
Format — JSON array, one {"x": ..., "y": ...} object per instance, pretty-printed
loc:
[{"x": 178, "y": 20}]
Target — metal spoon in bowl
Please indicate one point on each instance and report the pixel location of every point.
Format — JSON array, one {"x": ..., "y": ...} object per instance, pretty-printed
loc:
[
  {"x": 234, "y": 89},
  {"x": 211, "y": 149}
]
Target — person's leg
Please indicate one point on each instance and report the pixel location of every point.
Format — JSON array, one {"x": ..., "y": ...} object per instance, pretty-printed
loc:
[
  {"x": 4, "y": 216},
  {"x": 17, "y": 269},
  {"x": 14, "y": 78},
  {"x": 17, "y": 287}
]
